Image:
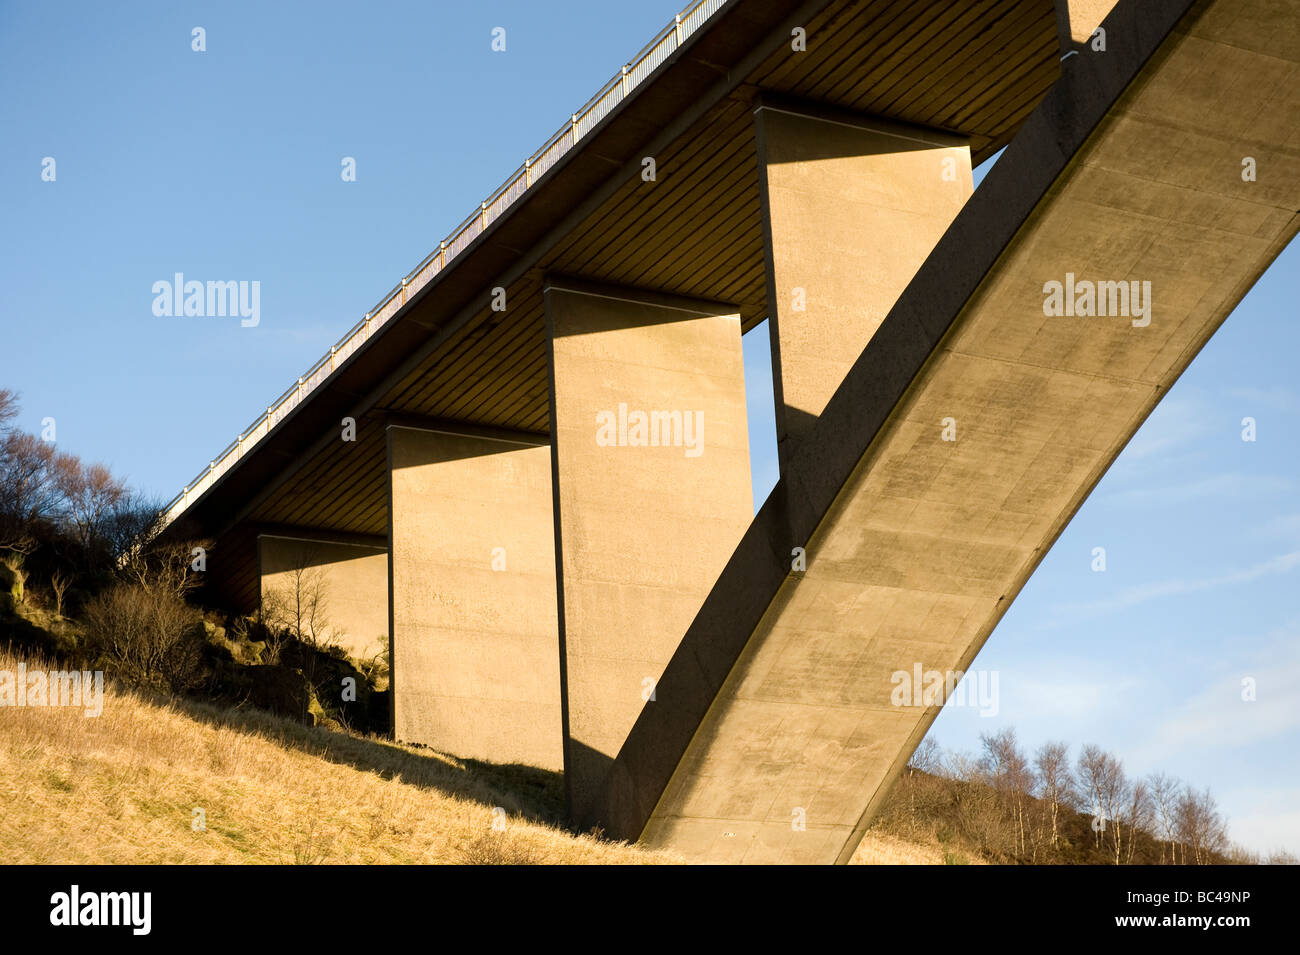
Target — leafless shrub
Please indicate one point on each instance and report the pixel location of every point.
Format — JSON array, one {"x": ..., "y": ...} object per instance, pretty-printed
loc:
[
  {"x": 146, "y": 636},
  {"x": 14, "y": 560},
  {"x": 497, "y": 848}
]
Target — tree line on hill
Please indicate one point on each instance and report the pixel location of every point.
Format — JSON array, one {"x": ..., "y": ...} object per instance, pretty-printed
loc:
[{"x": 1005, "y": 805}]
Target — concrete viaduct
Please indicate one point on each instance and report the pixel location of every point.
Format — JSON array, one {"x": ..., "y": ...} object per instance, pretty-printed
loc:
[{"x": 544, "y": 503}]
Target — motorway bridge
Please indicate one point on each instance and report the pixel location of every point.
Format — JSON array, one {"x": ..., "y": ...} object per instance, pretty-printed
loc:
[{"x": 527, "y": 467}]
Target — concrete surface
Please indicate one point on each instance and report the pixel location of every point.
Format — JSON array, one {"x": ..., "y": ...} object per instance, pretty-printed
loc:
[
  {"x": 475, "y": 661},
  {"x": 778, "y": 701},
  {"x": 641, "y": 530},
  {"x": 853, "y": 205},
  {"x": 340, "y": 589}
]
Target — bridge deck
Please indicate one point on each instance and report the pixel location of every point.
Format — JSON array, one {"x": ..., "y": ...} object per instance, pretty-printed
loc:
[{"x": 977, "y": 70}]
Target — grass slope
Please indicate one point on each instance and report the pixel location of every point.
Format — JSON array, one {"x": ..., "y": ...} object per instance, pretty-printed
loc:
[{"x": 123, "y": 787}]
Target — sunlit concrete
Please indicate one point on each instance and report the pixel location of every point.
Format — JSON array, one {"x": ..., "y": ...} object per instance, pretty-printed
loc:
[
  {"x": 332, "y": 591},
  {"x": 1079, "y": 19},
  {"x": 475, "y": 656},
  {"x": 646, "y": 513},
  {"x": 852, "y": 206}
]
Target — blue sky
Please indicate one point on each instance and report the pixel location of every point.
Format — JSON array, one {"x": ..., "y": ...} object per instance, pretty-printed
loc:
[{"x": 226, "y": 164}]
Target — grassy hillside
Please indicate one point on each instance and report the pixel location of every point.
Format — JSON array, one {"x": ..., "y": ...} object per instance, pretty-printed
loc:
[
  {"x": 123, "y": 787},
  {"x": 880, "y": 848}
]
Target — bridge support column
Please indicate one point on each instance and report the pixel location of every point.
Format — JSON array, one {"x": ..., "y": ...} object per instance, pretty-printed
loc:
[
  {"x": 852, "y": 206},
  {"x": 652, "y": 493},
  {"x": 475, "y": 662},
  {"x": 333, "y": 584},
  {"x": 1076, "y": 21}
]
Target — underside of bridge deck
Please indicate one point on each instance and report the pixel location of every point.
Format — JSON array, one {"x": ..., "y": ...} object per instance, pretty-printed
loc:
[
  {"x": 562, "y": 588},
  {"x": 697, "y": 231}
]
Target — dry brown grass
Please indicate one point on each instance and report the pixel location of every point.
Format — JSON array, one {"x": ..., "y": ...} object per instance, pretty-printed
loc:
[
  {"x": 123, "y": 787},
  {"x": 877, "y": 848}
]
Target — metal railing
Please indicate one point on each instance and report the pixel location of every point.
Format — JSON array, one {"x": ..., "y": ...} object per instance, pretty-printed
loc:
[{"x": 579, "y": 125}]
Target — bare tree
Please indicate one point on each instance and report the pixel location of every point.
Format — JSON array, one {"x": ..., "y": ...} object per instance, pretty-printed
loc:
[
  {"x": 976, "y": 807},
  {"x": 376, "y": 665},
  {"x": 1139, "y": 814},
  {"x": 1200, "y": 826},
  {"x": 90, "y": 493},
  {"x": 131, "y": 526},
  {"x": 299, "y": 606},
  {"x": 16, "y": 540},
  {"x": 987, "y": 804},
  {"x": 59, "y": 583},
  {"x": 27, "y": 487},
  {"x": 273, "y": 616},
  {"x": 1105, "y": 787},
  {"x": 1055, "y": 782},
  {"x": 131, "y": 531},
  {"x": 1008, "y": 771},
  {"x": 927, "y": 757},
  {"x": 1240, "y": 855},
  {"x": 1164, "y": 791},
  {"x": 29, "y": 491},
  {"x": 310, "y": 604},
  {"x": 301, "y": 603},
  {"x": 164, "y": 566}
]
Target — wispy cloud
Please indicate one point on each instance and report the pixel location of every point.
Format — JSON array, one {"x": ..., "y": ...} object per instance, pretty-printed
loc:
[
  {"x": 1070, "y": 694},
  {"x": 1180, "y": 586},
  {"x": 1219, "y": 716},
  {"x": 1274, "y": 399},
  {"x": 1234, "y": 485},
  {"x": 1283, "y": 525},
  {"x": 1065, "y": 696},
  {"x": 1175, "y": 422},
  {"x": 1212, "y": 732}
]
